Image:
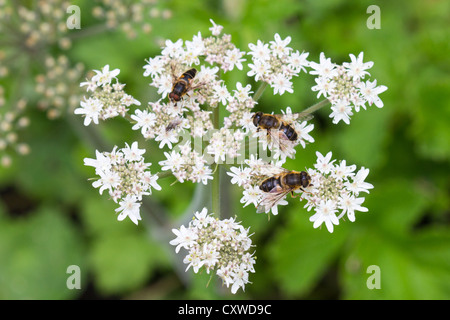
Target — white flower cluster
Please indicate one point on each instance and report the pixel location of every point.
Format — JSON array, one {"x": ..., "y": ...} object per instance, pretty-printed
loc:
[
  {"x": 276, "y": 63},
  {"x": 334, "y": 188},
  {"x": 344, "y": 87},
  {"x": 239, "y": 106},
  {"x": 221, "y": 246},
  {"x": 177, "y": 57},
  {"x": 191, "y": 94},
  {"x": 108, "y": 100},
  {"x": 187, "y": 164},
  {"x": 124, "y": 174},
  {"x": 225, "y": 143},
  {"x": 250, "y": 178}
]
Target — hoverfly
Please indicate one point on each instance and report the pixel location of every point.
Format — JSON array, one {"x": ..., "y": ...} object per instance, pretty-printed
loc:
[
  {"x": 275, "y": 123},
  {"x": 182, "y": 85},
  {"x": 279, "y": 185}
]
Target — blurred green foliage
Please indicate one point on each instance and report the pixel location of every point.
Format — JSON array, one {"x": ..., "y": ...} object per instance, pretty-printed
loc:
[{"x": 51, "y": 217}]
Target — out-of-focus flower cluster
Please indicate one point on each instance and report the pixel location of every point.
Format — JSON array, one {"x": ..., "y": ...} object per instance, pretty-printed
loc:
[
  {"x": 125, "y": 175},
  {"x": 38, "y": 33},
  {"x": 56, "y": 88},
  {"x": 12, "y": 120},
  {"x": 220, "y": 246},
  {"x": 130, "y": 16}
]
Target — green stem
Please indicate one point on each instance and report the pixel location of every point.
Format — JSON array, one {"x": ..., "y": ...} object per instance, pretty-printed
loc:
[
  {"x": 316, "y": 107},
  {"x": 260, "y": 91},
  {"x": 215, "y": 189}
]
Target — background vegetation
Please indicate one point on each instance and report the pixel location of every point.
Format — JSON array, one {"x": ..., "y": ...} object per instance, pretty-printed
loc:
[{"x": 51, "y": 217}]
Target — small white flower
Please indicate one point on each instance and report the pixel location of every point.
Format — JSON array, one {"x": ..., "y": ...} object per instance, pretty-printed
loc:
[
  {"x": 129, "y": 207},
  {"x": 233, "y": 58},
  {"x": 91, "y": 108},
  {"x": 323, "y": 163},
  {"x": 144, "y": 120},
  {"x": 358, "y": 184},
  {"x": 173, "y": 49},
  {"x": 167, "y": 137},
  {"x": 260, "y": 51},
  {"x": 298, "y": 62},
  {"x": 238, "y": 175},
  {"x": 341, "y": 111},
  {"x": 102, "y": 163},
  {"x": 281, "y": 84},
  {"x": 357, "y": 68},
  {"x": 370, "y": 92},
  {"x": 240, "y": 279},
  {"x": 325, "y": 212},
  {"x": 325, "y": 68},
  {"x": 251, "y": 195},
  {"x": 215, "y": 29},
  {"x": 185, "y": 238},
  {"x": 133, "y": 153},
  {"x": 348, "y": 204},
  {"x": 105, "y": 76},
  {"x": 279, "y": 47}
]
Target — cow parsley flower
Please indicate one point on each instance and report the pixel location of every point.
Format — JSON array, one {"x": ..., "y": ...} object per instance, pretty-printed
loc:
[
  {"x": 344, "y": 86},
  {"x": 107, "y": 100},
  {"x": 125, "y": 175},
  {"x": 276, "y": 63},
  {"x": 222, "y": 247},
  {"x": 187, "y": 164},
  {"x": 334, "y": 191}
]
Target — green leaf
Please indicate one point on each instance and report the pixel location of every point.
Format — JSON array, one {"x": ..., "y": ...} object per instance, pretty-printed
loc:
[
  {"x": 122, "y": 262},
  {"x": 409, "y": 268},
  {"x": 395, "y": 205},
  {"x": 300, "y": 254},
  {"x": 35, "y": 253}
]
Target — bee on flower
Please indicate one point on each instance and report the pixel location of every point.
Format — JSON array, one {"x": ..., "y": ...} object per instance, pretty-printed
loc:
[{"x": 281, "y": 133}]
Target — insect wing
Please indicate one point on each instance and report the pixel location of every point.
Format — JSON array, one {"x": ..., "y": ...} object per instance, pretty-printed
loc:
[
  {"x": 303, "y": 116},
  {"x": 271, "y": 198}
]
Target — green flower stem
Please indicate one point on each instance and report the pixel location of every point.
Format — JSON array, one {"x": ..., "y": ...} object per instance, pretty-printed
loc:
[
  {"x": 260, "y": 91},
  {"x": 215, "y": 189},
  {"x": 316, "y": 107}
]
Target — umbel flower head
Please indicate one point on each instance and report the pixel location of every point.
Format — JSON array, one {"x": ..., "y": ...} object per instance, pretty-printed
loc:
[
  {"x": 220, "y": 246},
  {"x": 276, "y": 63},
  {"x": 124, "y": 174},
  {"x": 107, "y": 100},
  {"x": 344, "y": 86},
  {"x": 334, "y": 191}
]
